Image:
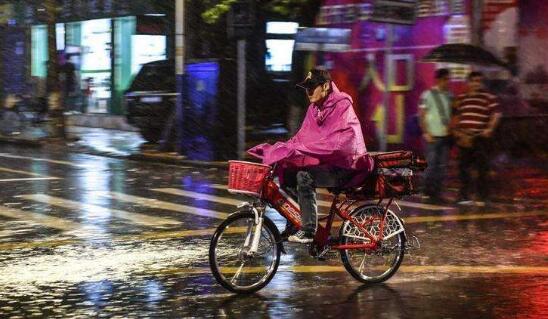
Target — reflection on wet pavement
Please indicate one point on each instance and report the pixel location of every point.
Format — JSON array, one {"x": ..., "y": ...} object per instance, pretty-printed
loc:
[{"x": 113, "y": 238}]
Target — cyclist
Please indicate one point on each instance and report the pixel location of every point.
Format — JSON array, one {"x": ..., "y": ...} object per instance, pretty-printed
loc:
[{"x": 327, "y": 150}]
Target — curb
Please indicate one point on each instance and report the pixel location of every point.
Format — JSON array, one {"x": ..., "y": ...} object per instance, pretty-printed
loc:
[
  {"x": 21, "y": 141},
  {"x": 175, "y": 160}
]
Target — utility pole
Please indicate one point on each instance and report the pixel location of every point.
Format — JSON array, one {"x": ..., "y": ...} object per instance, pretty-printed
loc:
[
  {"x": 240, "y": 23},
  {"x": 180, "y": 70},
  {"x": 241, "y": 98}
]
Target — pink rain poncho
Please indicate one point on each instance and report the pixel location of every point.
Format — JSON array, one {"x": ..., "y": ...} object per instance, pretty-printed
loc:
[{"x": 330, "y": 136}]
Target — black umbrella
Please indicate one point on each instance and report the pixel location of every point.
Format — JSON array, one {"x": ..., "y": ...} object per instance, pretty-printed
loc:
[{"x": 462, "y": 54}]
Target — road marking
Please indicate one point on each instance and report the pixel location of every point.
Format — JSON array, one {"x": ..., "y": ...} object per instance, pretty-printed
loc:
[
  {"x": 451, "y": 218},
  {"x": 166, "y": 235},
  {"x": 7, "y": 155},
  {"x": 38, "y": 244},
  {"x": 487, "y": 269},
  {"x": 454, "y": 218},
  {"x": 163, "y": 235},
  {"x": 27, "y": 179},
  {"x": 214, "y": 198},
  {"x": 9, "y": 170},
  {"x": 101, "y": 212},
  {"x": 154, "y": 203},
  {"x": 328, "y": 204},
  {"x": 199, "y": 196},
  {"x": 40, "y": 219}
]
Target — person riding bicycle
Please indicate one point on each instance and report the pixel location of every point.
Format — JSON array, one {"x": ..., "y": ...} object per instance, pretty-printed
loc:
[{"x": 327, "y": 151}]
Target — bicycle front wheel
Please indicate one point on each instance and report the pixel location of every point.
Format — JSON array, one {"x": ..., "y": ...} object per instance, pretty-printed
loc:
[
  {"x": 230, "y": 259},
  {"x": 373, "y": 265}
]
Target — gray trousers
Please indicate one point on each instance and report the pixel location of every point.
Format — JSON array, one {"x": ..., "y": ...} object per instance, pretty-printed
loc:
[{"x": 305, "y": 181}]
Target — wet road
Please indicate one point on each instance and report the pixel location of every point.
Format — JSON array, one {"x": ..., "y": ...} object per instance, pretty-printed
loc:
[{"x": 85, "y": 236}]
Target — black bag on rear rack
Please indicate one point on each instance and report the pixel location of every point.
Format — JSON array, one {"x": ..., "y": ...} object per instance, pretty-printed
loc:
[{"x": 394, "y": 175}]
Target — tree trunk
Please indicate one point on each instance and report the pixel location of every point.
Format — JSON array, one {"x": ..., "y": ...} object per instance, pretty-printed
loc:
[{"x": 55, "y": 97}]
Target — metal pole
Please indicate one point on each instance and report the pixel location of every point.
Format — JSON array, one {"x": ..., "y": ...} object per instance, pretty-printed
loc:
[
  {"x": 386, "y": 96},
  {"x": 180, "y": 36},
  {"x": 241, "y": 98},
  {"x": 179, "y": 69}
]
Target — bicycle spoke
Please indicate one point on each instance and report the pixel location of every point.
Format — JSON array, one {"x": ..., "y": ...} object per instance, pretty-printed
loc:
[
  {"x": 238, "y": 272},
  {"x": 377, "y": 264},
  {"x": 234, "y": 266},
  {"x": 360, "y": 270}
]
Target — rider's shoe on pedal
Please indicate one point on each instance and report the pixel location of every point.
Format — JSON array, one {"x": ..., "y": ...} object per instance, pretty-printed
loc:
[
  {"x": 302, "y": 237},
  {"x": 288, "y": 231}
]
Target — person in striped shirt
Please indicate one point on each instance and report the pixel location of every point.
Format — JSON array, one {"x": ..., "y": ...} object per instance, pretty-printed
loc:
[{"x": 476, "y": 117}]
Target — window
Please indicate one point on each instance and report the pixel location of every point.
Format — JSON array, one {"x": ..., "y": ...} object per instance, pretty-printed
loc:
[{"x": 280, "y": 43}]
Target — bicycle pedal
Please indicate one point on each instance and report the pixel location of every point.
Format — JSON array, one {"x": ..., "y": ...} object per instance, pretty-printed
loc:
[{"x": 326, "y": 254}]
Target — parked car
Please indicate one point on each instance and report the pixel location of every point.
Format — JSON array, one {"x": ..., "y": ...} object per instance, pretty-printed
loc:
[{"x": 151, "y": 98}]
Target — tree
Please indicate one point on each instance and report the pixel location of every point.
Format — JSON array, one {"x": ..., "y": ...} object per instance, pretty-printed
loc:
[{"x": 302, "y": 11}]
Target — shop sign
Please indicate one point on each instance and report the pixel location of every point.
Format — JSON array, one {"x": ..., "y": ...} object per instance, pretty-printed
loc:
[
  {"x": 323, "y": 39},
  {"x": 355, "y": 12},
  {"x": 348, "y": 13},
  {"x": 396, "y": 12},
  {"x": 96, "y": 9}
]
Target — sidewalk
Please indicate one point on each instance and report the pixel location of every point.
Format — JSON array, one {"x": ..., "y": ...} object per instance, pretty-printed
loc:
[{"x": 523, "y": 180}]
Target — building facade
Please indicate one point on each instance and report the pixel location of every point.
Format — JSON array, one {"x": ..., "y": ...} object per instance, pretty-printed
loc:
[{"x": 104, "y": 41}]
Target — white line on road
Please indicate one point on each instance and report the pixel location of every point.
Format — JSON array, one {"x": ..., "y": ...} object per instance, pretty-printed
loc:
[
  {"x": 40, "y": 219},
  {"x": 214, "y": 198},
  {"x": 9, "y": 170},
  {"x": 487, "y": 269},
  {"x": 328, "y": 204},
  {"x": 7, "y": 155},
  {"x": 94, "y": 211},
  {"x": 28, "y": 179},
  {"x": 157, "y": 204},
  {"x": 199, "y": 196}
]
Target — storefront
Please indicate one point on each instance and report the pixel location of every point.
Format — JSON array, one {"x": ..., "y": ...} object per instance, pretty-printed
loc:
[
  {"x": 101, "y": 77},
  {"x": 105, "y": 42}
]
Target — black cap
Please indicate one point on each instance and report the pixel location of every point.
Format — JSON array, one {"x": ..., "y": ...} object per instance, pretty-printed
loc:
[{"x": 314, "y": 78}]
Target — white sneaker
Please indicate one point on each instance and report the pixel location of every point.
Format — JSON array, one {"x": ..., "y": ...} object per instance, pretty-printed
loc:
[{"x": 302, "y": 237}]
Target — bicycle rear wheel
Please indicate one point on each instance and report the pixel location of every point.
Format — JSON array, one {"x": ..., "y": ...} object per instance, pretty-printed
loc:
[
  {"x": 378, "y": 265},
  {"x": 230, "y": 261}
]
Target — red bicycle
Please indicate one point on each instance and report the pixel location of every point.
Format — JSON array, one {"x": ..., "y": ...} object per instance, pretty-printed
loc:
[{"x": 245, "y": 249}]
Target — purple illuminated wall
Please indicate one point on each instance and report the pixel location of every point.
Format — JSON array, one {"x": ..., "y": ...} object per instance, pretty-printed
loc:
[
  {"x": 360, "y": 72},
  {"x": 533, "y": 45}
]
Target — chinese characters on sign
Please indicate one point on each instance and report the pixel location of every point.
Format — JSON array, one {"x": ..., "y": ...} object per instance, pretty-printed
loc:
[
  {"x": 363, "y": 11},
  {"x": 397, "y": 12}
]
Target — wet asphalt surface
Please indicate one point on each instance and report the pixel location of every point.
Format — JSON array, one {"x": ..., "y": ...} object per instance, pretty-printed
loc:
[{"x": 84, "y": 236}]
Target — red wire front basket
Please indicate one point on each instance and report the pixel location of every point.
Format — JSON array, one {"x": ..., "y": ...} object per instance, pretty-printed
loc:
[{"x": 246, "y": 177}]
